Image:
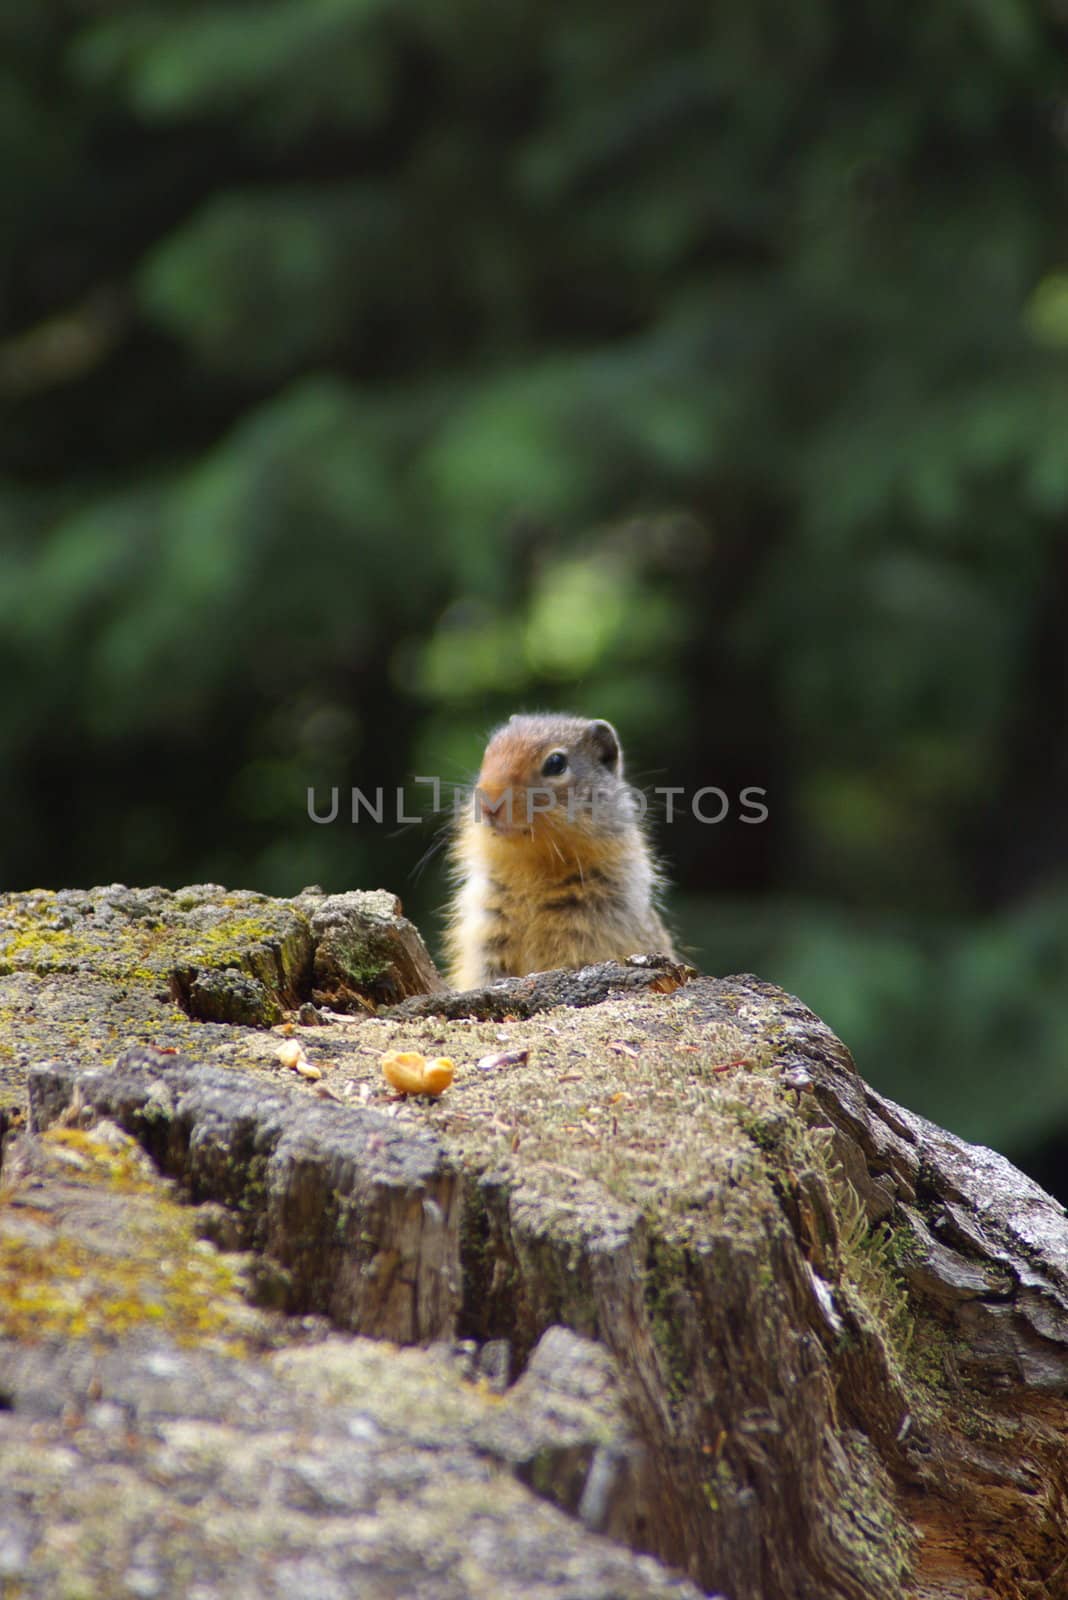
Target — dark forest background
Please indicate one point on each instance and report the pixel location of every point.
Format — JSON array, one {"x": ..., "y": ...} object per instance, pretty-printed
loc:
[{"x": 371, "y": 369}]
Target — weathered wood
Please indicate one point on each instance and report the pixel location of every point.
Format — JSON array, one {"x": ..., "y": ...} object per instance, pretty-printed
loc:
[
  {"x": 158, "y": 1437},
  {"x": 366, "y": 950},
  {"x": 510, "y": 999},
  {"x": 358, "y": 1210},
  {"x": 228, "y": 957},
  {"x": 841, "y": 1333}
]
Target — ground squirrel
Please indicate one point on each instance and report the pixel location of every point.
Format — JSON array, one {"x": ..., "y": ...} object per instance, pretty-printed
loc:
[{"x": 550, "y": 859}]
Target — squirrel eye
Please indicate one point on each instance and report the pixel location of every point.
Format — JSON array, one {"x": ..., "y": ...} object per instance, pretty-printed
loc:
[{"x": 553, "y": 765}]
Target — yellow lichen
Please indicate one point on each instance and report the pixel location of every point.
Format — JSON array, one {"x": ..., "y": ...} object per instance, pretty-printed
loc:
[{"x": 112, "y": 1251}]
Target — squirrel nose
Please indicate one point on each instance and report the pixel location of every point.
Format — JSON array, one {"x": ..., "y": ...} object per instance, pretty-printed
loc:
[{"x": 492, "y": 803}]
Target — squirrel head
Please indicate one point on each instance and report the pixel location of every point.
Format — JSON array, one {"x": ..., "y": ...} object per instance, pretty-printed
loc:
[{"x": 545, "y": 774}]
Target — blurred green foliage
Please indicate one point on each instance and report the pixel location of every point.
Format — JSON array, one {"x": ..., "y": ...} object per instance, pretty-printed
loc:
[{"x": 373, "y": 368}]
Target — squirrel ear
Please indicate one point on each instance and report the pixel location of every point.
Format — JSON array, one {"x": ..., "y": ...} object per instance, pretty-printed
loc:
[{"x": 605, "y": 741}]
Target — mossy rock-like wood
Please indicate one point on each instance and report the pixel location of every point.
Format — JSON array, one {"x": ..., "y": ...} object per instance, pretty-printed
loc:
[
  {"x": 840, "y": 1333},
  {"x": 221, "y": 956},
  {"x": 160, "y": 1437}
]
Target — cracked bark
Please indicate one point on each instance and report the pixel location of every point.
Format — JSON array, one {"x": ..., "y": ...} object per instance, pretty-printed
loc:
[{"x": 841, "y": 1332}]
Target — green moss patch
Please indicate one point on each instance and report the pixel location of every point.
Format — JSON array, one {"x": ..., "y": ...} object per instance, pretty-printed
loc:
[
  {"x": 93, "y": 1245},
  {"x": 223, "y": 957}
]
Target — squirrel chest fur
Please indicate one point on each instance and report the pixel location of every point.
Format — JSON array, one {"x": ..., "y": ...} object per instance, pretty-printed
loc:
[{"x": 550, "y": 860}]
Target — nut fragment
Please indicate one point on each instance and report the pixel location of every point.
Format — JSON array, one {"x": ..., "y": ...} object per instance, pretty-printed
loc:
[
  {"x": 291, "y": 1055},
  {"x": 409, "y": 1072}
]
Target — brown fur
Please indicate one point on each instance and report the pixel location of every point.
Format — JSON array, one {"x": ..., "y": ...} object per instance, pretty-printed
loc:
[{"x": 554, "y": 887}]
